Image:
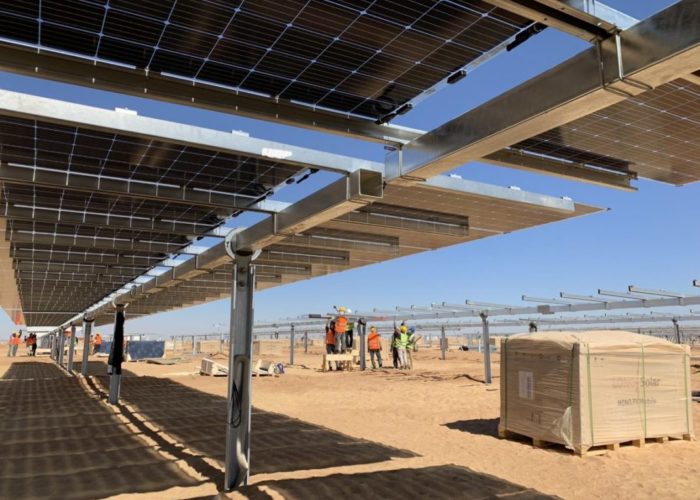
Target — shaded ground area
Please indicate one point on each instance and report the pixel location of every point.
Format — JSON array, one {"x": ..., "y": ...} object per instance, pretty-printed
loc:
[
  {"x": 443, "y": 481},
  {"x": 59, "y": 442},
  {"x": 279, "y": 443}
]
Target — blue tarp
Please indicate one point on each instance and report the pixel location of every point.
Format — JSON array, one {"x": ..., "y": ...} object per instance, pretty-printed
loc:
[{"x": 140, "y": 349}]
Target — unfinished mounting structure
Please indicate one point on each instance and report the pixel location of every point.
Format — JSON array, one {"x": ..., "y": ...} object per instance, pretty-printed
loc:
[{"x": 103, "y": 209}]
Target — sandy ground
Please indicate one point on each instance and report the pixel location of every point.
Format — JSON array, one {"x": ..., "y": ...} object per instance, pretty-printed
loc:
[{"x": 430, "y": 432}]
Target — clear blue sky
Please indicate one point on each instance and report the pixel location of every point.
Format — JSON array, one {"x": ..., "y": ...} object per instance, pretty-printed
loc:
[{"x": 650, "y": 238}]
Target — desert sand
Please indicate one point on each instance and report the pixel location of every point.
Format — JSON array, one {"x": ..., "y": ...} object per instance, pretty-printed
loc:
[{"x": 426, "y": 433}]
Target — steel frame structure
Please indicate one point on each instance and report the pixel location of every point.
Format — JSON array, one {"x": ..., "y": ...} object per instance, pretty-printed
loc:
[{"x": 628, "y": 59}]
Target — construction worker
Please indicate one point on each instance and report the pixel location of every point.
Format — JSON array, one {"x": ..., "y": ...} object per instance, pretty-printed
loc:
[
  {"x": 402, "y": 347},
  {"x": 98, "y": 343},
  {"x": 374, "y": 345},
  {"x": 341, "y": 327},
  {"x": 412, "y": 345},
  {"x": 330, "y": 342},
  {"x": 395, "y": 341},
  {"x": 14, "y": 344}
]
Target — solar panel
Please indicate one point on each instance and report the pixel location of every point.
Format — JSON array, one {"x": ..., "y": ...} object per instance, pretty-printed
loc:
[
  {"x": 654, "y": 134},
  {"x": 360, "y": 57}
]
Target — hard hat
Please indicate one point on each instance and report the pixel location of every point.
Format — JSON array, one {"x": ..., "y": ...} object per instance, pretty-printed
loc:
[
  {"x": 373, "y": 328},
  {"x": 341, "y": 309},
  {"x": 404, "y": 329}
]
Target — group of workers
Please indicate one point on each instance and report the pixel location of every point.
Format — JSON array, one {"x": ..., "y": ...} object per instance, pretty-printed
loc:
[
  {"x": 30, "y": 340},
  {"x": 16, "y": 339},
  {"x": 339, "y": 339}
]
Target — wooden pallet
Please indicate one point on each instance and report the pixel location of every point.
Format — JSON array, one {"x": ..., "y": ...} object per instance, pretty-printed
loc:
[
  {"x": 597, "y": 449},
  {"x": 346, "y": 361}
]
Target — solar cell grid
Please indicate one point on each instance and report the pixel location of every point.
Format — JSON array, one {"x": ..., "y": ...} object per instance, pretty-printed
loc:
[
  {"x": 653, "y": 134},
  {"x": 47, "y": 199},
  {"x": 359, "y": 57},
  {"x": 88, "y": 151}
]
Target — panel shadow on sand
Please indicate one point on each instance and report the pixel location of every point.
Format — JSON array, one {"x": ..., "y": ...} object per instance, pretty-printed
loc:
[
  {"x": 443, "y": 481},
  {"x": 481, "y": 426},
  {"x": 279, "y": 443},
  {"x": 59, "y": 442}
]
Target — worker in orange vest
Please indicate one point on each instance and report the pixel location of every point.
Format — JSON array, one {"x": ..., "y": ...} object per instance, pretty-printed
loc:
[
  {"x": 330, "y": 342},
  {"x": 374, "y": 345},
  {"x": 14, "y": 343},
  {"x": 341, "y": 327},
  {"x": 98, "y": 343}
]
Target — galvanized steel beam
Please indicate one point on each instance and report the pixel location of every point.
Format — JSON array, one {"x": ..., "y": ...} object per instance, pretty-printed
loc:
[
  {"x": 654, "y": 51},
  {"x": 142, "y": 83}
]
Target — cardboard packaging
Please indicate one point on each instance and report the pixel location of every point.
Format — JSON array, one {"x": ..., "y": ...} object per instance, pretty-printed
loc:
[{"x": 584, "y": 389}]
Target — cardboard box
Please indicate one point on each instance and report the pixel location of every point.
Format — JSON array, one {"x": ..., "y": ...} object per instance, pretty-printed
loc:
[{"x": 584, "y": 389}]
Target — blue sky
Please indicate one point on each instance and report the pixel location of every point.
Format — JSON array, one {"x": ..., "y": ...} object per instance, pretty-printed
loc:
[{"x": 649, "y": 238}]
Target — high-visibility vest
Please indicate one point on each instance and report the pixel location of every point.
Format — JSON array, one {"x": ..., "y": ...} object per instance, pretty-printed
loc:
[
  {"x": 403, "y": 340},
  {"x": 14, "y": 340},
  {"x": 341, "y": 324},
  {"x": 330, "y": 336},
  {"x": 374, "y": 341}
]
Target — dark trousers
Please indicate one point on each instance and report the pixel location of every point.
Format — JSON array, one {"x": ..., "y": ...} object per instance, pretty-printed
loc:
[
  {"x": 33, "y": 349},
  {"x": 378, "y": 354},
  {"x": 395, "y": 356}
]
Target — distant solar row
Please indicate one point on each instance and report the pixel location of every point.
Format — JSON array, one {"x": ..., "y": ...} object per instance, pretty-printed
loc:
[
  {"x": 73, "y": 241},
  {"x": 654, "y": 134},
  {"x": 360, "y": 57}
]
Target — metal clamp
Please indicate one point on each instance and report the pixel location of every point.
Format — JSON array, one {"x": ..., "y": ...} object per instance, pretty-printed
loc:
[{"x": 620, "y": 70}]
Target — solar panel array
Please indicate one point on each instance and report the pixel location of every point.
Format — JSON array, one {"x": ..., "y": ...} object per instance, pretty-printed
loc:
[
  {"x": 71, "y": 246},
  {"x": 361, "y": 57},
  {"x": 406, "y": 222},
  {"x": 654, "y": 134}
]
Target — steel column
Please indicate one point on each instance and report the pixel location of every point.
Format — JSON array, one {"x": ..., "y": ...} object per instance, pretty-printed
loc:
[
  {"x": 87, "y": 331},
  {"x": 443, "y": 343},
  {"x": 239, "y": 379},
  {"x": 487, "y": 346},
  {"x": 362, "y": 330},
  {"x": 306, "y": 342},
  {"x": 291, "y": 344},
  {"x": 61, "y": 345},
  {"x": 71, "y": 347},
  {"x": 194, "y": 347}
]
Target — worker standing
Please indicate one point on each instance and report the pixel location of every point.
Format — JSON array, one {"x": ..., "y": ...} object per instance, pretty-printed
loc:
[
  {"x": 14, "y": 344},
  {"x": 330, "y": 342},
  {"x": 374, "y": 345},
  {"x": 34, "y": 344},
  {"x": 402, "y": 347},
  {"x": 341, "y": 327},
  {"x": 98, "y": 343},
  {"x": 412, "y": 345}
]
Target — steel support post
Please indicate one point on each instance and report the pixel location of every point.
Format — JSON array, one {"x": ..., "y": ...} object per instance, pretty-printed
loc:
[
  {"x": 116, "y": 356},
  {"x": 306, "y": 342},
  {"x": 61, "y": 345},
  {"x": 443, "y": 343},
  {"x": 194, "y": 347},
  {"x": 239, "y": 378},
  {"x": 677, "y": 329},
  {"x": 71, "y": 347},
  {"x": 87, "y": 331},
  {"x": 291, "y": 345},
  {"x": 487, "y": 346},
  {"x": 362, "y": 327}
]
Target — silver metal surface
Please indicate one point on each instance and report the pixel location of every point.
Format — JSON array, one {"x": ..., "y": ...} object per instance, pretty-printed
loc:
[
  {"x": 66, "y": 113},
  {"x": 585, "y": 19},
  {"x": 71, "y": 347},
  {"x": 87, "y": 332},
  {"x": 486, "y": 342},
  {"x": 237, "y": 463},
  {"x": 46, "y": 65},
  {"x": 517, "y": 159},
  {"x": 656, "y": 50}
]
